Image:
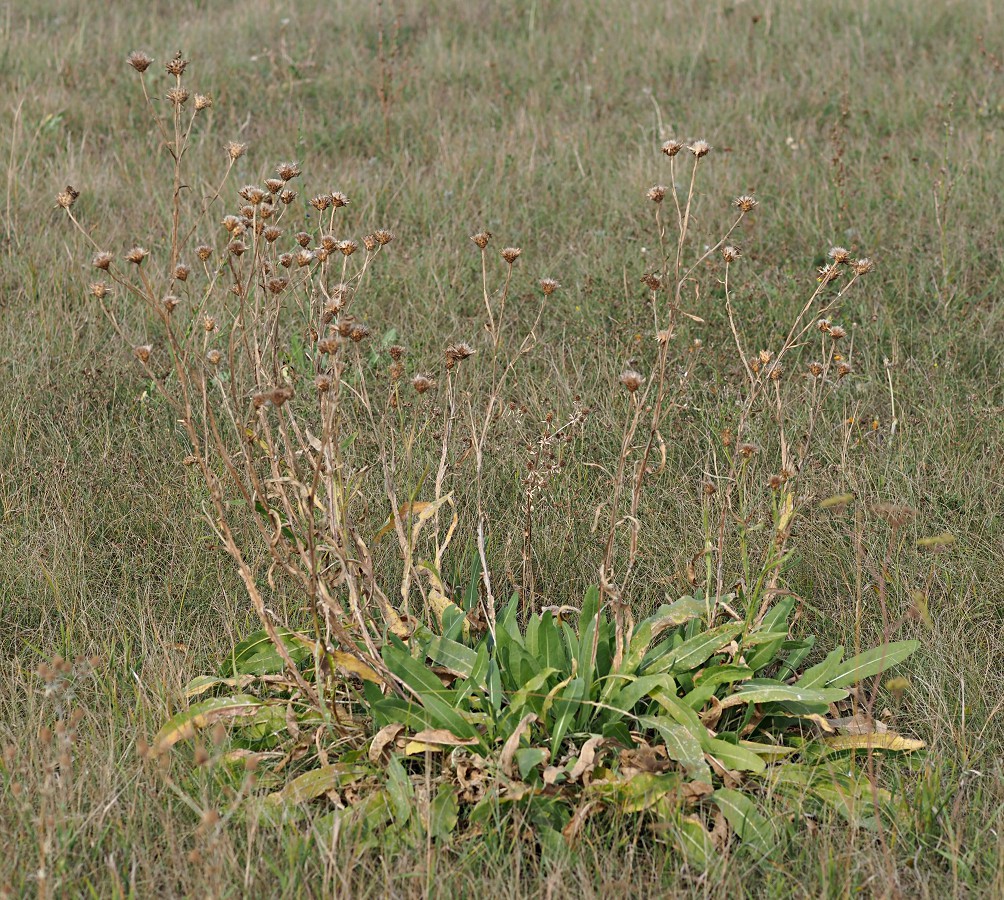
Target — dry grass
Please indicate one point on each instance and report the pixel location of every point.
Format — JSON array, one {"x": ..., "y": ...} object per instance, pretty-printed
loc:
[{"x": 539, "y": 123}]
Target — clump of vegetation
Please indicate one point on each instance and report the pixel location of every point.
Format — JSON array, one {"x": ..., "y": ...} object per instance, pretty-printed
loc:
[{"x": 389, "y": 694}]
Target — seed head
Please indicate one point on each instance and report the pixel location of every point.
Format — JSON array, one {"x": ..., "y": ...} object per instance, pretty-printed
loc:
[
  {"x": 253, "y": 194},
  {"x": 766, "y": 356},
  {"x": 137, "y": 255},
  {"x": 177, "y": 65},
  {"x": 274, "y": 185},
  {"x": 747, "y": 450},
  {"x": 511, "y": 254},
  {"x": 482, "y": 238},
  {"x": 181, "y": 272},
  {"x": 271, "y": 233},
  {"x": 286, "y": 260},
  {"x": 422, "y": 383},
  {"x": 203, "y": 101},
  {"x": 369, "y": 243},
  {"x": 548, "y": 286},
  {"x": 348, "y": 247},
  {"x": 632, "y": 380},
  {"x": 209, "y": 324},
  {"x": 235, "y": 150},
  {"x": 457, "y": 353},
  {"x": 142, "y": 353},
  {"x": 139, "y": 60},
  {"x": 828, "y": 273},
  {"x": 383, "y": 237},
  {"x": 287, "y": 196},
  {"x": 731, "y": 254},
  {"x": 231, "y": 223},
  {"x": 652, "y": 281},
  {"x": 862, "y": 266},
  {"x": 396, "y": 351},
  {"x": 700, "y": 148},
  {"x": 359, "y": 333},
  {"x": 277, "y": 285},
  {"x": 837, "y": 332},
  {"x": 708, "y": 489},
  {"x": 896, "y": 514},
  {"x": 775, "y": 371},
  {"x": 102, "y": 261},
  {"x": 656, "y": 194},
  {"x": 815, "y": 369},
  {"x": 304, "y": 258},
  {"x": 843, "y": 369},
  {"x": 178, "y": 95},
  {"x": 213, "y": 357},
  {"x": 281, "y": 394},
  {"x": 287, "y": 171},
  {"x": 170, "y": 302},
  {"x": 745, "y": 203},
  {"x": 671, "y": 148},
  {"x": 322, "y": 383},
  {"x": 338, "y": 199},
  {"x": 204, "y": 252},
  {"x": 67, "y": 197},
  {"x": 839, "y": 255},
  {"x": 823, "y": 325},
  {"x": 321, "y": 202},
  {"x": 302, "y": 238},
  {"x": 775, "y": 482},
  {"x": 236, "y": 248},
  {"x": 98, "y": 289}
]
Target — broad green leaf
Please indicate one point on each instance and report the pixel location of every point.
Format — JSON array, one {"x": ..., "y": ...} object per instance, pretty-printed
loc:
[
  {"x": 550, "y": 648},
  {"x": 312, "y": 784},
  {"x": 681, "y": 744},
  {"x": 400, "y": 791},
  {"x": 698, "y": 649},
  {"x": 632, "y": 690},
  {"x": 766, "y": 652},
  {"x": 443, "y": 813},
  {"x": 872, "y": 662},
  {"x": 710, "y": 680},
  {"x": 746, "y": 820},
  {"x": 529, "y": 697},
  {"x": 822, "y": 672},
  {"x": 566, "y": 704},
  {"x": 184, "y": 725},
  {"x": 528, "y": 758},
  {"x": 414, "y": 673},
  {"x": 202, "y": 683},
  {"x": 256, "y": 654},
  {"x": 777, "y": 693},
  {"x": 695, "y": 842},
  {"x": 776, "y": 618},
  {"x": 452, "y": 655},
  {"x": 734, "y": 757}
]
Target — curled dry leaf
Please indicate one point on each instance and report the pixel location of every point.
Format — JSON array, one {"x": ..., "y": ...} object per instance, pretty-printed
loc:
[
  {"x": 382, "y": 740},
  {"x": 586, "y": 762},
  {"x": 512, "y": 744}
]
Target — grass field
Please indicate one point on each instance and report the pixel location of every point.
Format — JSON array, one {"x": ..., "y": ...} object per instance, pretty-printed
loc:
[{"x": 872, "y": 124}]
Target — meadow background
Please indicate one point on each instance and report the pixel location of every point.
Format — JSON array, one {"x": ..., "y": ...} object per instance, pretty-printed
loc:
[{"x": 874, "y": 124}]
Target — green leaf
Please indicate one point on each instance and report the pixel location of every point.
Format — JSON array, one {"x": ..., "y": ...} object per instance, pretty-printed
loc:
[
  {"x": 400, "y": 791},
  {"x": 257, "y": 655},
  {"x": 746, "y": 820},
  {"x": 734, "y": 757},
  {"x": 551, "y": 651},
  {"x": 452, "y": 655},
  {"x": 414, "y": 673},
  {"x": 443, "y": 813},
  {"x": 528, "y": 758},
  {"x": 312, "y": 784},
  {"x": 199, "y": 715},
  {"x": 566, "y": 704},
  {"x": 822, "y": 672},
  {"x": 695, "y": 842},
  {"x": 710, "y": 680},
  {"x": 871, "y": 662},
  {"x": 776, "y": 693},
  {"x": 698, "y": 649},
  {"x": 681, "y": 744}
]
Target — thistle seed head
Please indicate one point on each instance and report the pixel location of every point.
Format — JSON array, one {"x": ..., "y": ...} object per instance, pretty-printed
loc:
[
  {"x": 139, "y": 60},
  {"x": 482, "y": 238},
  {"x": 837, "y": 332},
  {"x": 235, "y": 150},
  {"x": 213, "y": 357},
  {"x": 98, "y": 289},
  {"x": 396, "y": 352},
  {"x": 359, "y": 333},
  {"x": 236, "y": 248},
  {"x": 631, "y": 380},
  {"x": 348, "y": 247},
  {"x": 322, "y": 383},
  {"x": 745, "y": 203},
  {"x": 843, "y": 369},
  {"x": 287, "y": 197},
  {"x": 277, "y": 285},
  {"x": 181, "y": 272},
  {"x": 422, "y": 383},
  {"x": 271, "y": 234},
  {"x": 700, "y": 148},
  {"x": 67, "y": 197},
  {"x": 548, "y": 286},
  {"x": 862, "y": 266},
  {"x": 338, "y": 199},
  {"x": 177, "y": 65},
  {"x": 137, "y": 254},
  {"x": 511, "y": 254},
  {"x": 369, "y": 243},
  {"x": 815, "y": 369},
  {"x": 304, "y": 258},
  {"x": 672, "y": 147},
  {"x": 731, "y": 254},
  {"x": 204, "y": 252},
  {"x": 321, "y": 202},
  {"x": 456, "y": 353},
  {"x": 142, "y": 353},
  {"x": 102, "y": 261},
  {"x": 170, "y": 302},
  {"x": 656, "y": 194},
  {"x": 652, "y": 281},
  {"x": 203, "y": 101},
  {"x": 839, "y": 255},
  {"x": 274, "y": 185},
  {"x": 287, "y": 171},
  {"x": 178, "y": 96},
  {"x": 253, "y": 194},
  {"x": 383, "y": 237},
  {"x": 828, "y": 273}
]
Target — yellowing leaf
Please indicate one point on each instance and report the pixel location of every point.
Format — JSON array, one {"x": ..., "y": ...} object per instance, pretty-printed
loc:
[
  {"x": 186, "y": 723},
  {"x": 887, "y": 740},
  {"x": 348, "y": 663}
]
